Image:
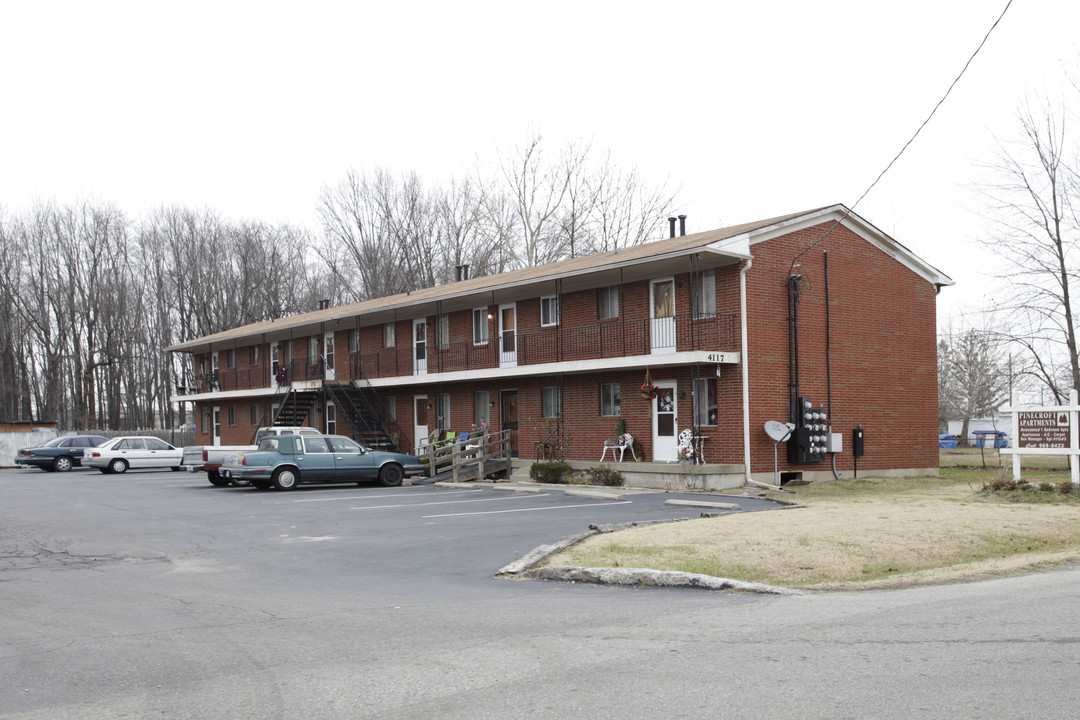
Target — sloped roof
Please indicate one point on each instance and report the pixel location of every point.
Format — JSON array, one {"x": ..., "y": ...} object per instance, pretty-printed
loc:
[{"x": 733, "y": 242}]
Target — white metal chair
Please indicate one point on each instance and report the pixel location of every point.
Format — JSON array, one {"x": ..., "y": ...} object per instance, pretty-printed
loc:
[{"x": 621, "y": 444}]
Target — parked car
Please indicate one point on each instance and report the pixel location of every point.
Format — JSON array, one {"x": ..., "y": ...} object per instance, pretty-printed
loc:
[
  {"x": 60, "y": 454},
  {"x": 118, "y": 454},
  {"x": 284, "y": 461},
  {"x": 209, "y": 458}
]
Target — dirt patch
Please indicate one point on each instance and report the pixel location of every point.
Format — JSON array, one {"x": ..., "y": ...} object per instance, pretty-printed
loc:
[{"x": 922, "y": 534}]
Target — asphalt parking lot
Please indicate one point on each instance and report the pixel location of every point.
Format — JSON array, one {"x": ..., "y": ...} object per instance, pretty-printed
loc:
[
  {"x": 407, "y": 535},
  {"x": 154, "y": 594}
]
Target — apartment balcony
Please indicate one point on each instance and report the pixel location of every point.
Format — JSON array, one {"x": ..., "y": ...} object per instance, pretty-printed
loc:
[
  {"x": 603, "y": 341},
  {"x": 679, "y": 339}
]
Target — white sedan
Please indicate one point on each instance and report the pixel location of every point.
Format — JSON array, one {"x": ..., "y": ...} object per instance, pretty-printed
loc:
[{"x": 117, "y": 455}]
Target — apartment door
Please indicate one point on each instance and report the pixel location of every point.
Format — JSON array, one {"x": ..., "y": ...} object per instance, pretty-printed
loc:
[
  {"x": 217, "y": 426},
  {"x": 215, "y": 378},
  {"x": 509, "y": 417},
  {"x": 420, "y": 346},
  {"x": 508, "y": 335},
  {"x": 662, "y": 316},
  {"x": 328, "y": 356},
  {"x": 275, "y": 363},
  {"x": 665, "y": 409},
  {"x": 420, "y": 420}
]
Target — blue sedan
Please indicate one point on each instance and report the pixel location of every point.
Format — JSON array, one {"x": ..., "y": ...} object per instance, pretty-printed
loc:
[{"x": 285, "y": 461}]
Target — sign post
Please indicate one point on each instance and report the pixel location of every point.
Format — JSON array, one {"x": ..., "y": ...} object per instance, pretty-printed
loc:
[{"x": 1050, "y": 430}]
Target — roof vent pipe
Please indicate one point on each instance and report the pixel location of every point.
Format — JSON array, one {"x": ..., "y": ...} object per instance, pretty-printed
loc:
[
  {"x": 324, "y": 304},
  {"x": 682, "y": 226},
  {"x": 462, "y": 272},
  {"x": 671, "y": 221}
]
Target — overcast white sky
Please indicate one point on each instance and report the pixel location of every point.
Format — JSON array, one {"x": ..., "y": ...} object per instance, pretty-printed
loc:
[{"x": 754, "y": 109}]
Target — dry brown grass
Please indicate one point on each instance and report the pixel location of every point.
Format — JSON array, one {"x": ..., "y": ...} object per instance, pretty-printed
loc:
[{"x": 865, "y": 533}]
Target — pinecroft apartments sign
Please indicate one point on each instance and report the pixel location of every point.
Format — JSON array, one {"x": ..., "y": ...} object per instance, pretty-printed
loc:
[
  {"x": 1042, "y": 429},
  {"x": 1053, "y": 430}
]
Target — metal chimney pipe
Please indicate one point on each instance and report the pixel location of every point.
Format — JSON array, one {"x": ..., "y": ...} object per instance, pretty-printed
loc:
[
  {"x": 671, "y": 221},
  {"x": 682, "y": 225}
]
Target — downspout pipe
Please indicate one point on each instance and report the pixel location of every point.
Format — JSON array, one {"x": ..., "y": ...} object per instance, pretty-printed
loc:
[{"x": 744, "y": 358}]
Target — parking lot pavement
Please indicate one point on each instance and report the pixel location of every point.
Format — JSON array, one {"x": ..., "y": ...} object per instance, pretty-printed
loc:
[{"x": 402, "y": 533}]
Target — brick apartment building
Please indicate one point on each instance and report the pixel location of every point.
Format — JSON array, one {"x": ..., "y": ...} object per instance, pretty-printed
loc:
[{"x": 816, "y": 318}]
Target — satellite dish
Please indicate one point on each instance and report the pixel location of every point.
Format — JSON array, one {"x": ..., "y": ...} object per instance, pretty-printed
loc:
[{"x": 778, "y": 431}]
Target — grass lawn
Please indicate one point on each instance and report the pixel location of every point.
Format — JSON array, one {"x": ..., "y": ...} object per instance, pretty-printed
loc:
[{"x": 871, "y": 533}]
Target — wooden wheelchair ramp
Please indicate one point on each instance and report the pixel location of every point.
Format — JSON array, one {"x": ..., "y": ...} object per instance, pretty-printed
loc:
[{"x": 468, "y": 459}]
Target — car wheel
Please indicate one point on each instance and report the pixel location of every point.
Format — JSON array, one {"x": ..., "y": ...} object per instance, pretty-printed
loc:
[
  {"x": 61, "y": 463},
  {"x": 391, "y": 474},
  {"x": 285, "y": 479},
  {"x": 119, "y": 465},
  {"x": 215, "y": 478}
]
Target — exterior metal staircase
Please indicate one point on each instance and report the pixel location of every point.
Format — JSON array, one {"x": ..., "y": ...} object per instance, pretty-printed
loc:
[
  {"x": 358, "y": 412},
  {"x": 294, "y": 409}
]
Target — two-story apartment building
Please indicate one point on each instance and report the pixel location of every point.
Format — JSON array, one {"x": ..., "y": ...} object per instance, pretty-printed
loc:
[{"x": 816, "y": 318}]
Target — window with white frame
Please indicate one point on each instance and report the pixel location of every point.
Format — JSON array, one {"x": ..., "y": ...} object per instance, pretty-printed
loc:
[
  {"x": 389, "y": 409},
  {"x": 607, "y": 301},
  {"x": 551, "y": 402},
  {"x": 704, "y": 401},
  {"x": 230, "y": 358},
  {"x": 442, "y": 415},
  {"x": 482, "y": 408},
  {"x": 232, "y": 414},
  {"x": 354, "y": 340},
  {"x": 442, "y": 331},
  {"x": 313, "y": 348},
  {"x": 389, "y": 335},
  {"x": 331, "y": 419},
  {"x": 253, "y": 355},
  {"x": 549, "y": 311},
  {"x": 255, "y": 413},
  {"x": 705, "y": 294},
  {"x": 610, "y": 400},
  {"x": 480, "y": 326},
  {"x": 287, "y": 352},
  {"x": 206, "y": 420}
]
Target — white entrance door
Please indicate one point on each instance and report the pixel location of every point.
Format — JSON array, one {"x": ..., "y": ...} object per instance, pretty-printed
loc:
[
  {"x": 328, "y": 355},
  {"x": 420, "y": 421},
  {"x": 420, "y": 345},
  {"x": 275, "y": 363},
  {"x": 665, "y": 434},
  {"x": 217, "y": 426},
  {"x": 331, "y": 419},
  {"x": 662, "y": 313},
  {"x": 508, "y": 335}
]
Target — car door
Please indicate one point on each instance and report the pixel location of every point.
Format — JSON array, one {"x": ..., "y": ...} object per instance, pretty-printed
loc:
[
  {"x": 353, "y": 462},
  {"x": 317, "y": 461},
  {"x": 133, "y": 450},
  {"x": 161, "y": 453}
]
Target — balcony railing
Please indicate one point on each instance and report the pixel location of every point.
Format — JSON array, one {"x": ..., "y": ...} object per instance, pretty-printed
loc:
[{"x": 558, "y": 344}]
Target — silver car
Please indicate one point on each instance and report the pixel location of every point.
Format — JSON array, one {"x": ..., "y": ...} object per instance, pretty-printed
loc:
[{"x": 121, "y": 453}]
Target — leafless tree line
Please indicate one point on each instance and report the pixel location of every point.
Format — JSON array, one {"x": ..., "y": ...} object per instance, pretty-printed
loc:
[{"x": 89, "y": 297}]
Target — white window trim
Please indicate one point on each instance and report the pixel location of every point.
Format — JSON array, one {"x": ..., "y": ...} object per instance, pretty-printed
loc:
[
  {"x": 551, "y": 301},
  {"x": 482, "y": 325}
]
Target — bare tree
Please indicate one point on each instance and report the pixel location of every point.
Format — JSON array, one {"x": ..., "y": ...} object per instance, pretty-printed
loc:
[
  {"x": 973, "y": 376},
  {"x": 1036, "y": 233}
]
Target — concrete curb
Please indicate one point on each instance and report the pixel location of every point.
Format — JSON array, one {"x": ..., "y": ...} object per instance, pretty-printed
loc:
[
  {"x": 642, "y": 577},
  {"x": 525, "y": 568},
  {"x": 703, "y": 504}
]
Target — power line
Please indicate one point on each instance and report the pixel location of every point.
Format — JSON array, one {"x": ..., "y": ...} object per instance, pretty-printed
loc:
[{"x": 908, "y": 143}]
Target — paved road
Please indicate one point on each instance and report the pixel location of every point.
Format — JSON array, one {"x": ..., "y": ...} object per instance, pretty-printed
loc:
[{"x": 155, "y": 595}]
